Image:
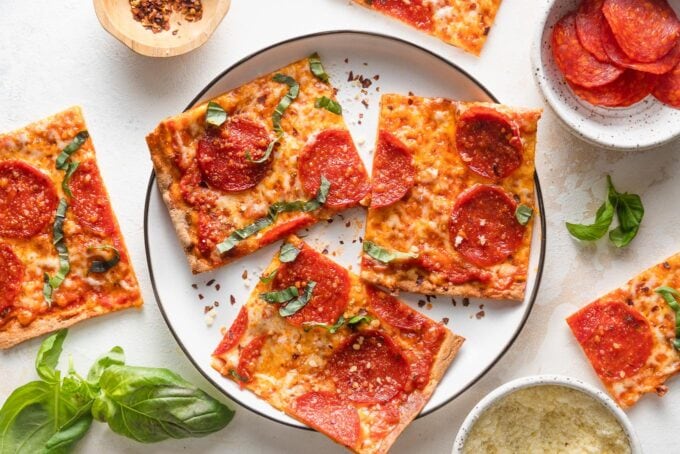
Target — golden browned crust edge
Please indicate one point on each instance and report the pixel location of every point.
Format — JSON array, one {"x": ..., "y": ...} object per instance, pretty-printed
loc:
[{"x": 15, "y": 333}]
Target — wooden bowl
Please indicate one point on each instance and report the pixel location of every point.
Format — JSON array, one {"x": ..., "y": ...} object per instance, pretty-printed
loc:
[{"x": 116, "y": 18}]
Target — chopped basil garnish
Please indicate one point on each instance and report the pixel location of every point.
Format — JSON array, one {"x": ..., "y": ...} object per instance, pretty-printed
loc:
[
  {"x": 523, "y": 213},
  {"x": 215, "y": 115},
  {"x": 669, "y": 294},
  {"x": 274, "y": 210},
  {"x": 629, "y": 211},
  {"x": 102, "y": 266},
  {"x": 385, "y": 255},
  {"x": 298, "y": 303},
  {"x": 268, "y": 278},
  {"x": 280, "y": 296},
  {"x": 288, "y": 252},
  {"x": 316, "y": 67},
  {"x": 52, "y": 283},
  {"x": 293, "y": 91},
  {"x": 328, "y": 104},
  {"x": 358, "y": 319},
  {"x": 267, "y": 152},
  {"x": 71, "y": 148},
  {"x": 238, "y": 376},
  {"x": 70, "y": 170}
]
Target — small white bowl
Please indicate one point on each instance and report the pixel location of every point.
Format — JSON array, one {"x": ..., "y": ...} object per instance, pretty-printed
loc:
[
  {"x": 646, "y": 124},
  {"x": 541, "y": 380}
]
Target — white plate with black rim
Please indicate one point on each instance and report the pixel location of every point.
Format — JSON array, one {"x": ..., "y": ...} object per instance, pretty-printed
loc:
[{"x": 392, "y": 66}]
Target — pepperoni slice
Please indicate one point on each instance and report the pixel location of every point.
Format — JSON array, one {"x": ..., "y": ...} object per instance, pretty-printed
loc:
[
  {"x": 589, "y": 21},
  {"x": 393, "y": 311},
  {"x": 661, "y": 66},
  {"x": 631, "y": 87},
  {"x": 233, "y": 336},
  {"x": 221, "y": 155},
  {"x": 27, "y": 200},
  {"x": 667, "y": 89},
  {"x": 11, "y": 277},
  {"x": 90, "y": 203},
  {"x": 488, "y": 142},
  {"x": 393, "y": 171},
  {"x": 646, "y": 30},
  {"x": 328, "y": 413},
  {"x": 331, "y": 294},
  {"x": 577, "y": 64},
  {"x": 213, "y": 226},
  {"x": 332, "y": 154},
  {"x": 483, "y": 226},
  {"x": 415, "y": 12},
  {"x": 290, "y": 226},
  {"x": 616, "y": 338},
  {"x": 368, "y": 368},
  {"x": 248, "y": 358}
]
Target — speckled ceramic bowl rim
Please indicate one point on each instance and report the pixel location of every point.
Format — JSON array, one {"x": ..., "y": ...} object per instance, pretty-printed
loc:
[
  {"x": 538, "y": 70},
  {"x": 542, "y": 380}
]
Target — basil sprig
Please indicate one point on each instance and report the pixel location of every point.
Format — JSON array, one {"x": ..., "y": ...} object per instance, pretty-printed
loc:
[
  {"x": 385, "y": 255},
  {"x": 274, "y": 210},
  {"x": 280, "y": 296},
  {"x": 298, "y": 303},
  {"x": 52, "y": 283},
  {"x": 215, "y": 115},
  {"x": 102, "y": 266},
  {"x": 523, "y": 214},
  {"x": 316, "y": 67},
  {"x": 669, "y": 294},
  {"x": 288, "y": 252},
  {"x": 71, "y": 148},
  {"x": 52, "y": 414},
  {"x": 629, "y": 211},
  {"x": 328, "y": 104}
]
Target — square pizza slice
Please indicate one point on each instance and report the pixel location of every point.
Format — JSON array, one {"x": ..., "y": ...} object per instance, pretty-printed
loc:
[
  {"x": 463, "y": 23},
  {"x": 631, "y": 335},
  {"x": 340, "y": 355},
  {"x": 62, "y": 255},
  {"x": 452, "y": 198},
  {"x": 257, "y": 164}
]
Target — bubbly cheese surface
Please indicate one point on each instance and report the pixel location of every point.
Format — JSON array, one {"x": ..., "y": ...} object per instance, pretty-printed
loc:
[{"x": 547, "y": 419}]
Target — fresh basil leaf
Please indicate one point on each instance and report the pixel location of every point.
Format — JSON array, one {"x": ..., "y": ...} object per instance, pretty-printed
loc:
[
  {"x": 328, "y": 104},
  {"x": 298, "y": 303},
  {"x": 102, "y": 266},
  {"x": 280, "y": 296},
  {"x": 596, "y": 230},
  {"x": 359, "y": 318},
  {"x": 286, "y": 101},
  {"x": 241, "y": 234},
  {"x": 337, "y": 325},
  {"x": 238, "y": 376},
  {"x": 629, "y": 211},
  {"x": 669, "y": 294},
  {"x": 48, "y": 356},
  {"x": 115, "y": 357},
  {"x": 267, "y": 152},
  {"x": 71, "y": 148},
  {"x": 150, "y": 405},
  {"x": 64, "y": 439},
  {"x": 523, "y": 214},
  {"x": 268, "y": 278},
  {"x": 47, "y": 289},
  {"x": 385, "y": 255},
  {"x": 316, "y": 67},
  {"x": 215, "y": 115},
  {"x": 288, "y": 252},
  {"x": 71, "y": 167}
]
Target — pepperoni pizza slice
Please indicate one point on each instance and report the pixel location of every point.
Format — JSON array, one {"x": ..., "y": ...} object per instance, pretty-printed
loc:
[
  {"x": 339, "y": 355},
  {"x": 463, "y": 23},
  {"x": 452, "y": 198},
  {"x": 257, "y": 164},
  {"x": 630, "y": 335},
  {"x": 62, "y": 255}
]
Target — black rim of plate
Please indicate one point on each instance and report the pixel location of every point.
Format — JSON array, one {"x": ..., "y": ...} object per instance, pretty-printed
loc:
[{"x": 539, "y": 197}]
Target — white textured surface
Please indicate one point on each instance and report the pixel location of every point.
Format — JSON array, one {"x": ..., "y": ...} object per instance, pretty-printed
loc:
[{"x": 54, "y": 54}]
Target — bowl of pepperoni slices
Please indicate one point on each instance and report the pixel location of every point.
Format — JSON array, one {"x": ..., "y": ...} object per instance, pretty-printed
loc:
[{"x": 610, "y": 69}]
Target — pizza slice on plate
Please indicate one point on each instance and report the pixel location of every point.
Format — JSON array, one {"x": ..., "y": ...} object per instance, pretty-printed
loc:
[
  {"x": 62, "y": 255},
  {"x": 452, "y": 198},
  {"x": 463, "y": 23},
  {"x": 257, "y": 164},
  {"x": 340, "y": 355},
  {"x": 631, "y": 335}
]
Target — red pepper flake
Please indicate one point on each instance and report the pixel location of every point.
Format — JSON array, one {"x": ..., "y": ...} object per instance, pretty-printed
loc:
[
  {"x": 346, "y": 60},
  {"x": 479, "y": 315},
  {"x": 207, "y": 309},
  {"x": 350, "y": 77},
  {"x": 200, "y": 296},
  {"x": 453, "y": 301},
  {"x": 445, "y": 320},
  {"x": 325, "y": 251},
  {"x": 155, "y": 15},
  {"x": 667, "y": 265},
  {"x": 365, "y": 103},
  {"x": 216, "y": 304},
  {"x": 194, "y": 286},
  {"x": 245, "y": 274},
  {"x": 429, "y": 306},
  {"x": 348, "y": 224},
  {"x": 466, "y": 302},
  {"x": 376, "y": 77},
  {"x": 218, "y": 287},
  {"x": 342, "y": 242},
  {"x": 421, "y": 303},
  {"x": 232, "y": 299},
  {"x": 210, "y": 282}
]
